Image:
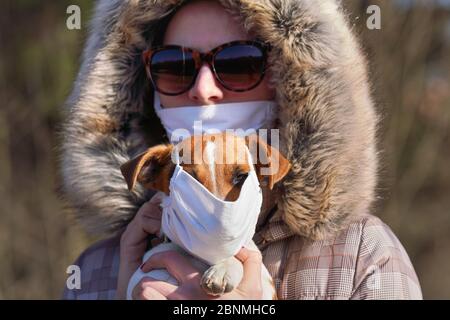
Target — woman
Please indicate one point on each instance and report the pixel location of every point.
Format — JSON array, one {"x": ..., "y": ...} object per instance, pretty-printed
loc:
[{"x": 316, "y": 233}]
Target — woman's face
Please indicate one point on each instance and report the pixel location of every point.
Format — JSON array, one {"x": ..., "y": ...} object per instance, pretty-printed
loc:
[{"x": 204, "y": 25}]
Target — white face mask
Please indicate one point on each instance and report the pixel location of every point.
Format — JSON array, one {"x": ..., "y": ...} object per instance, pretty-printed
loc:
[
  {"x": 205, "y": 226},
  {"x": 248, "y": 116}
]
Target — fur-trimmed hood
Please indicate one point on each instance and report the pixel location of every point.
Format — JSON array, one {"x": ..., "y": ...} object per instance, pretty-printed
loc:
[{"x": 328, "y": 121}]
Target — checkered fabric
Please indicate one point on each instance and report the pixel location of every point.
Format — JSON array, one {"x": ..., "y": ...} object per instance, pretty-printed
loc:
[{"x": 365, "y": 261}]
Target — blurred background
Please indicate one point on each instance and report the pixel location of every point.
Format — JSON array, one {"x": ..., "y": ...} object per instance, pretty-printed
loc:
[{"x": 39, "y": 58}]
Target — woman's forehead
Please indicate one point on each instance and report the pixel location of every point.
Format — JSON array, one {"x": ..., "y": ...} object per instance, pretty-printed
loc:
[{"x": 203, "y": 25}]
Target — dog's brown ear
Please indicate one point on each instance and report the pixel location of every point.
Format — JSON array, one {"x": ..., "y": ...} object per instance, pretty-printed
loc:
[
  {"x": 150, "y": 168},
  {"x": 270, "y": 162},
  {"x": 130, "y": 169}
]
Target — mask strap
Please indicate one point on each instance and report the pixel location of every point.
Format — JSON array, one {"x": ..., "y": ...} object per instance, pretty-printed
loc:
[{"x": 176, "y": 155}]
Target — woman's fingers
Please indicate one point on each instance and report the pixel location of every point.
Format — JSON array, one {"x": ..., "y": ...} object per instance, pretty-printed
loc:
[
  {"x": 150, "y": 294},
  {"x": 251, "y": 281},
  {"x": 145, "y": 291},
  {"x": 150, "y": 218},
  {"x": 150, "y": 214},
  {"x": 147, "y": 221},
  {"x": 175, "y": 263},
  {"x": 188, "y": 278},
  {"x": 157, "y": 198},
  {"x": 151, "y": 289},
  {"x": 133, "y": 242}
]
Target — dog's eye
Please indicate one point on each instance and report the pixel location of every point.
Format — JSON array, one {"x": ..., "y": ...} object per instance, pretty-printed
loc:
[{"x": 240, "y": 177}]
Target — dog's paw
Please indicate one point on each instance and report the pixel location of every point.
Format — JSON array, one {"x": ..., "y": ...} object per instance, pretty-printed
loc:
[{"x": 216, "y": 280}]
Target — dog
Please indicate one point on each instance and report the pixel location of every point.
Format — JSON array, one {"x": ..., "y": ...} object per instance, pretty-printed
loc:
[{"x": 219, "y": 169}]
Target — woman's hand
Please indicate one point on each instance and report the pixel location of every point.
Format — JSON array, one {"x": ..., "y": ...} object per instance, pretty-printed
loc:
[
  {"x": 133, "y": 242},
  {"x": 189, "y": 277}
]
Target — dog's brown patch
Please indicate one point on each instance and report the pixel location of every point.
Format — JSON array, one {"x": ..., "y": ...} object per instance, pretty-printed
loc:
[{"x": 230, "y": 164}]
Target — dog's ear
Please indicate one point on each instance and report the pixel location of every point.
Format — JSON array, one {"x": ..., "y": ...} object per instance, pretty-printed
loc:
[
  {"x": 151, "y": 168},
  {"x": 270, "y": 162}
]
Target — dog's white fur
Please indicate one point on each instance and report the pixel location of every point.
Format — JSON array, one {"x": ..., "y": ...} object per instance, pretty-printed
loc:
[{"x": 210, "y": 155}]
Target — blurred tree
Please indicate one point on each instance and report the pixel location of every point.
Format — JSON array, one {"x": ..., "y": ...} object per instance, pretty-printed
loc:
[
  {"x": 411, "y": 75},
  {"x": 38, "y": 62}
]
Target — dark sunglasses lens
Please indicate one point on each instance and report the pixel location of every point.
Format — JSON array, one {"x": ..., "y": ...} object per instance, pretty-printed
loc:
[
  {"x": 240, "y": 67},
  {"x": 172, "y": 70}
]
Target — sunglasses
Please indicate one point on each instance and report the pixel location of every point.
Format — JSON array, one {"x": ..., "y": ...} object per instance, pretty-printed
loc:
[{"x": 238, "y": 66}]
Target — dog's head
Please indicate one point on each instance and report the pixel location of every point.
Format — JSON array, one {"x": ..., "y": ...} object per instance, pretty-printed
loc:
[{"x": 217, "y": 161}]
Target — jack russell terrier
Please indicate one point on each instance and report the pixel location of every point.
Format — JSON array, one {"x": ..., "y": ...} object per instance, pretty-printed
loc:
[{"x": 213, "y": 202}]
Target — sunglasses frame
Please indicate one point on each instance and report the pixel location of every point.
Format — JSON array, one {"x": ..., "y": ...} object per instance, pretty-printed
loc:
[{"x": 208, "y": 57}]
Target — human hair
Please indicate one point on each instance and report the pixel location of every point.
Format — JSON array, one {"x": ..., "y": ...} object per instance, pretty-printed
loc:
[{"x": 161, "y": 27}]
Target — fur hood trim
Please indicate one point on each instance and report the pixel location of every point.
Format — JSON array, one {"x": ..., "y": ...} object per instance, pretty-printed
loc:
[{"x": 328, "y": 122}]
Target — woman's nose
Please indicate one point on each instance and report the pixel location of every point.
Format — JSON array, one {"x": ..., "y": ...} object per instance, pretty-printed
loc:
[{"x": 206, "y": 89}]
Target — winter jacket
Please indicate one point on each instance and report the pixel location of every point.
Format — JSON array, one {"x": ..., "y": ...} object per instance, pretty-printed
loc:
[{"x": 317, "y": 231}]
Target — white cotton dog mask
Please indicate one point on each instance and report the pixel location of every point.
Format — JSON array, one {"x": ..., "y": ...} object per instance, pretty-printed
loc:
[
  {"x": 205, "y": 226},
  {"x": 184, "y": 121}
]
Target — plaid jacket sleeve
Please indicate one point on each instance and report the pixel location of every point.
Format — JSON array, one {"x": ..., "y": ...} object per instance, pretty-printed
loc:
[
  {"x": 383, "y": 268},
  {"x": 364, "y": 261},
  {"x": 99, "y": 267}
]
